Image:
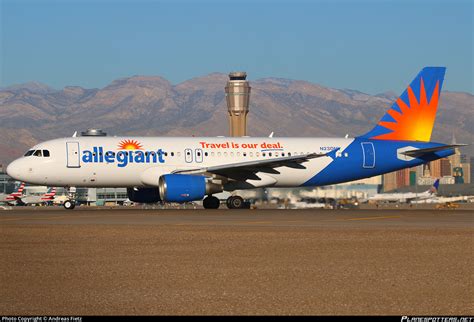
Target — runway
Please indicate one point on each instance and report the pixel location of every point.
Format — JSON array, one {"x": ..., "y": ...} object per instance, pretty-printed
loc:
[{"x": 134, "y": 261}]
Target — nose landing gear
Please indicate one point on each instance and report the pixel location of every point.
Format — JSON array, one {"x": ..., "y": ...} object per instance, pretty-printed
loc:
[
  {"x": 71, "y": 202},
  {"x": 68, "y": 204}
]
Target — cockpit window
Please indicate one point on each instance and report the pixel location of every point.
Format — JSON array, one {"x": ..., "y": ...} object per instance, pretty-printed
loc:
[{"x": 37, "y": 153}]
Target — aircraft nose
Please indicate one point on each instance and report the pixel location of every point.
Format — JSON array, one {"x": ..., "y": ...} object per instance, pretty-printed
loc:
[{"x": 13, "y": 170}]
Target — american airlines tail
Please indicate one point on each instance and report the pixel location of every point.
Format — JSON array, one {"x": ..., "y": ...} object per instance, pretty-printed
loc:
[
  {"x": 49, "y": 195},
  {"x": 19, "y": 192}
]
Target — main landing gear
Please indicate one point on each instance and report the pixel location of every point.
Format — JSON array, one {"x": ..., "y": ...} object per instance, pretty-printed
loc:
[
  {"x": 237, "y": 202},
  {"x": 70, "y": 203},
  {"x": 233, "y": 202},
  {"x": 211, "y": 202}
]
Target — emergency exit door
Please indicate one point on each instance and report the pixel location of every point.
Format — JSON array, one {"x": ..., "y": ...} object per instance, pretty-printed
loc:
[{"x": 72, "y": 155}]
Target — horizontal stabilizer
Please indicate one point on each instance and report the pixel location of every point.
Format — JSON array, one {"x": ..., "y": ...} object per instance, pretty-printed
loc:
[{"x": 420, "y": 152}]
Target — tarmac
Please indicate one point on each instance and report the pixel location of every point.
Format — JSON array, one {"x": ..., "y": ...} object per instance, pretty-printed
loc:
[{"x": 131, "y": 261}]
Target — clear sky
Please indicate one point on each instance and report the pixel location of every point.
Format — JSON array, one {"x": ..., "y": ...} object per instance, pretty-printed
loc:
[{"x": 371, "y": 46}]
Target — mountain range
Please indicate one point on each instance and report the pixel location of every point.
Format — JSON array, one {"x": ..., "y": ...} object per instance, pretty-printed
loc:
[{"x": 152, "y": 106}]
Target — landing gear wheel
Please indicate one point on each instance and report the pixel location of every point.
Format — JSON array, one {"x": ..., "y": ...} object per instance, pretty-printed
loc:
[
  {"x": 235, "y": 202},
  {"x": 211, "y": 202},
  {"x": 68, "y": 204}
]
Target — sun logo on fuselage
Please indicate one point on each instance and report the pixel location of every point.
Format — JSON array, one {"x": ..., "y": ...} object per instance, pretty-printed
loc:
[{"x": 130, "y": 145}]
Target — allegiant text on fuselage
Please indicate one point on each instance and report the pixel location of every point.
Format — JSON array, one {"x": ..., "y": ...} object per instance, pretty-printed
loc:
[{"x": 122, "y": 158}]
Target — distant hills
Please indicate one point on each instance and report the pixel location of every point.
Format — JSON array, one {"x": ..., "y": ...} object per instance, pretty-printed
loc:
[{"x": 151, "y": 105}]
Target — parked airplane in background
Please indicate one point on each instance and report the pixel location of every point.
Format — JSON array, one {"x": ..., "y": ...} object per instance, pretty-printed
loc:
[
  {"x": 406, "y": 196},
  {"x": 36, "y": 200},
  {"x": 13, "y": 197},
  {"x": 445, "y": 199},
  {"x": 187, "y": 169}
]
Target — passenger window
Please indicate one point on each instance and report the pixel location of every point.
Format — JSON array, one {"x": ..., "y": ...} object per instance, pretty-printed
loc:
[
  {"x": 37, "y": 153},
  {"x": 46, "y": 153}
]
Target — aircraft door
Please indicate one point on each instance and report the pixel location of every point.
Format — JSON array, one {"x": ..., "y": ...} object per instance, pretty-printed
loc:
[
  {"x": 188, "y": 155},
  {"x": 72, "y": 155},
  {"x": 368, "y": 154}
]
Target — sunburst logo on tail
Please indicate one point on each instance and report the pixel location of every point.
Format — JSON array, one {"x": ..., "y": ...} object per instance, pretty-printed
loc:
[
  {"x": 130, "y": 145},
  {"x": 414, "y": 121}
]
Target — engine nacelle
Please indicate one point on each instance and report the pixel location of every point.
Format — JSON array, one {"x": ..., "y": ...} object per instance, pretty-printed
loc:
[
  {"x": 184, "y": 187},
  {"x": 143, "y": 195}
]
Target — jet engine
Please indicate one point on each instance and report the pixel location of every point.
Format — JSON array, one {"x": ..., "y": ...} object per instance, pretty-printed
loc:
[
  {"x": 143, "y": 195},
  {"x": 184, "y": 187}
]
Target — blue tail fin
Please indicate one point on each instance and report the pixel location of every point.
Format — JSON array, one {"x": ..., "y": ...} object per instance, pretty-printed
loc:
[{"x": 434, "y": 188}]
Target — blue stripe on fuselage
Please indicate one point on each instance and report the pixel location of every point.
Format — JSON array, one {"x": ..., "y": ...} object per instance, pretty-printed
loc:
[{"x": 350, "y": 168}]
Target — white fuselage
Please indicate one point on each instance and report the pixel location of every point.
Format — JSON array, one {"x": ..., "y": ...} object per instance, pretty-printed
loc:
[
  {"x": 82, "y": 161},
  {"x": 401, "y": 197}
]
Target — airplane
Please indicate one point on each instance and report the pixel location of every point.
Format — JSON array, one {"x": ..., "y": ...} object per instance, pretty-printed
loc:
[
  {"x": 35, "y": 200},
  {"x": 13, "y": 197},
  {"x": 184, "y": 169},
  {"x": 407, "y": 197},
  {"x": 440, "y": 199}
]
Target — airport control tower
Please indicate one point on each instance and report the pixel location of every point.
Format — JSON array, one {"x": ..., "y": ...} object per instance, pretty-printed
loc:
[{"x": 237, "y": 92}]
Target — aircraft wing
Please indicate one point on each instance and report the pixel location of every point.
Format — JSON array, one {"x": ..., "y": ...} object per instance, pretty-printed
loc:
[
  {"x": 247, "y": 170},
  {"x": 420, "y": 152}
]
